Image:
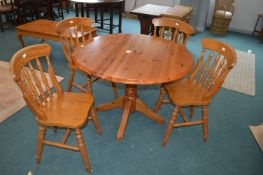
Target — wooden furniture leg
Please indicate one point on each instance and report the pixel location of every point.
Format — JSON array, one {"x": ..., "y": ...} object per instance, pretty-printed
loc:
[
  {"x": 205, "y": 124},
  {"x": 40, "y": 143},
  {"x": 130, "y": 102},
  {"x": 77, "y": 9},
  {"x": 82, "y": 149},
  {"x": 120, "y": 18},
  {"x": 146, "y": 24},
  {"x": 170, "y": 126},
  {"x": 95, "y": 120},
  {"x": 111, "y": 19},
  {"x": 19, "y": 37},
  {"x": 82, "y": 9}
]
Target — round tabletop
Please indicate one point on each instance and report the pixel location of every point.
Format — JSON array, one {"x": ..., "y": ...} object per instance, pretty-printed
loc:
[
  {"x": 133, "y": 59},
  {"x": 96, "y": 1}
]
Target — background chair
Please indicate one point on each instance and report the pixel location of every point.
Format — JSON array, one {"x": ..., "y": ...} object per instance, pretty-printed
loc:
[
  {"x": 213, "y": 65},
  {"x": 51, "y": 107},
  {"x": 73, "y": 32},
  {"x": 223, "y": 13},
  {"x": 8, "y": 10},
  {"x": 175, "y": 30}
]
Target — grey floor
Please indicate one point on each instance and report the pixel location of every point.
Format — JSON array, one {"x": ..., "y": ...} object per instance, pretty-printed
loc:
[{"x": 231, "y": 148}]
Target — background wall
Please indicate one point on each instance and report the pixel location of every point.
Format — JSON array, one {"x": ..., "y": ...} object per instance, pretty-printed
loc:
[{"x": 245, "y": 15}]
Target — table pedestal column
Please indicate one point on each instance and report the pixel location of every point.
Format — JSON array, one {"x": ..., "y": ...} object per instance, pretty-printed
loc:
[{"x": 130, "y": 102}]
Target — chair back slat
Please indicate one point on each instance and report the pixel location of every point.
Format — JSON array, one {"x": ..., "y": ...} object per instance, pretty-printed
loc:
[
  {"x": 40, "y": 90},
  {"x": 30, "y": 87},
  {"x": 210, "y": 72},
  {"x": 212, "y": 68},
  {"x": 44, "y": 78},
  {"x": 172, "y": 29},
  {"x": 198, "y": 66},
  {"x": 28, "y": 70},
  {"x": 72, "y": 32},
  {"x": 204, "y": 70}
]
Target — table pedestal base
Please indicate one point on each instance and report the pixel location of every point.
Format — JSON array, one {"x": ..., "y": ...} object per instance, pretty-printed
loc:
[{"x": 130, "y": 102}]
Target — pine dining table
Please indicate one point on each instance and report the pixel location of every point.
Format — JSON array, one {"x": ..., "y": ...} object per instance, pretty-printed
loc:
[{"x": 133, "y": 59}]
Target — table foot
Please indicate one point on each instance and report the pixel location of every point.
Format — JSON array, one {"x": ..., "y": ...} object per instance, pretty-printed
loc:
[
  {"x": 117, "y": 103},
  {"x": 130, "y": 102},
  {"x": 124, "y": 120},
  {"x": 143, "y": 108}
]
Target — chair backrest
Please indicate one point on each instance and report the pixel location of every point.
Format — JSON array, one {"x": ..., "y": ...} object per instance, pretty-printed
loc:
[
  {"x": 72, "y": 32},
  {"x": 214, "y": 63},
  {"x": 28, "y": 67},
  {"x": 172, "y": 29}
]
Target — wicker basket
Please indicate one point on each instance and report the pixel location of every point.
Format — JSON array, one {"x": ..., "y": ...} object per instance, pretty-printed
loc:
[
  {"x": 220, "y": 25},
  {"x": 223, "y": 13}
]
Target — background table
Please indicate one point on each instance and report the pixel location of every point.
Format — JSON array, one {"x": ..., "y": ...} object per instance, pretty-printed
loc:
[
  {"x": 133, "y": 60},
  {"x": 147, "y": 12},
  {"x": 102, "y": 5}
]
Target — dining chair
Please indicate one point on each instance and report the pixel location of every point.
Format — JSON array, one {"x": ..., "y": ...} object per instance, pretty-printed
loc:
[
  {"x": 73, "y": 32},
  {"x": 198, "y": 89},
  {"x": 32, "y": 70},
  {"x": 175, "y": 30},
  {"x": 7, "y": 9}
]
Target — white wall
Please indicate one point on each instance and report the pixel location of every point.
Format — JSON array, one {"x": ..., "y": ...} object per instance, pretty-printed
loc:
[
  {"x": 129, "y": 4},
  {"x": 245, "y": 15}
]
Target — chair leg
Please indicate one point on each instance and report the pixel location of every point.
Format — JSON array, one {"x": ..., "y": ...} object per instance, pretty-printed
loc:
[
  {"x": 160, "y": 99},
  {"x": 191, "y": 111},
  {"x": 1, "y": 24},
  {"x": 40, "y": 143},
  {"x": 170, "y": 125},
  {"x": 71, "y": 79},
  {"x": 205, "y": 125},
  {"x": 95, "y": 120},
  {"x": 114, "y": 88},
  {"x": 89, "y": 83},
  {"x": 82, "y": 149}
]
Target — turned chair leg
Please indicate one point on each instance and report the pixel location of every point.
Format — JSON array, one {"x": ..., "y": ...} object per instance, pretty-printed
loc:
[
  {"x": 205, "y": 125},
  {"x": 71, "y": 79},
  {"x": 82, "y": 150},
  {"x": 170, "y": 125},
  {"x": 95, "y": 120},
  {"x": 114, "y": 88},
  {"x": 191, "y": 111},
  {"x": 40, "y": 143},
  {"x": 160, "y": 99},
  {"x": 89, "y": 84}
]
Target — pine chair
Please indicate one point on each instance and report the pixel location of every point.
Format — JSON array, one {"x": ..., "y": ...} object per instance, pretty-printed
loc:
[
  {"x": 51, "y": 106},
  {"x": 175, "y": 30},
  {"x": 213, "y": 65},
  {"x": 68, "y": 29}
]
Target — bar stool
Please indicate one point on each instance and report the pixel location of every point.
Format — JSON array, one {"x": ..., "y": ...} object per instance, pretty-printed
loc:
[{"x": 260, "y": 16}]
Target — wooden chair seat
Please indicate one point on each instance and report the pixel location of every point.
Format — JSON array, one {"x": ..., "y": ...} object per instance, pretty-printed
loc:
[
  {"x": 186, "y": 93},
  {"x": 74, "y": 107}
]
